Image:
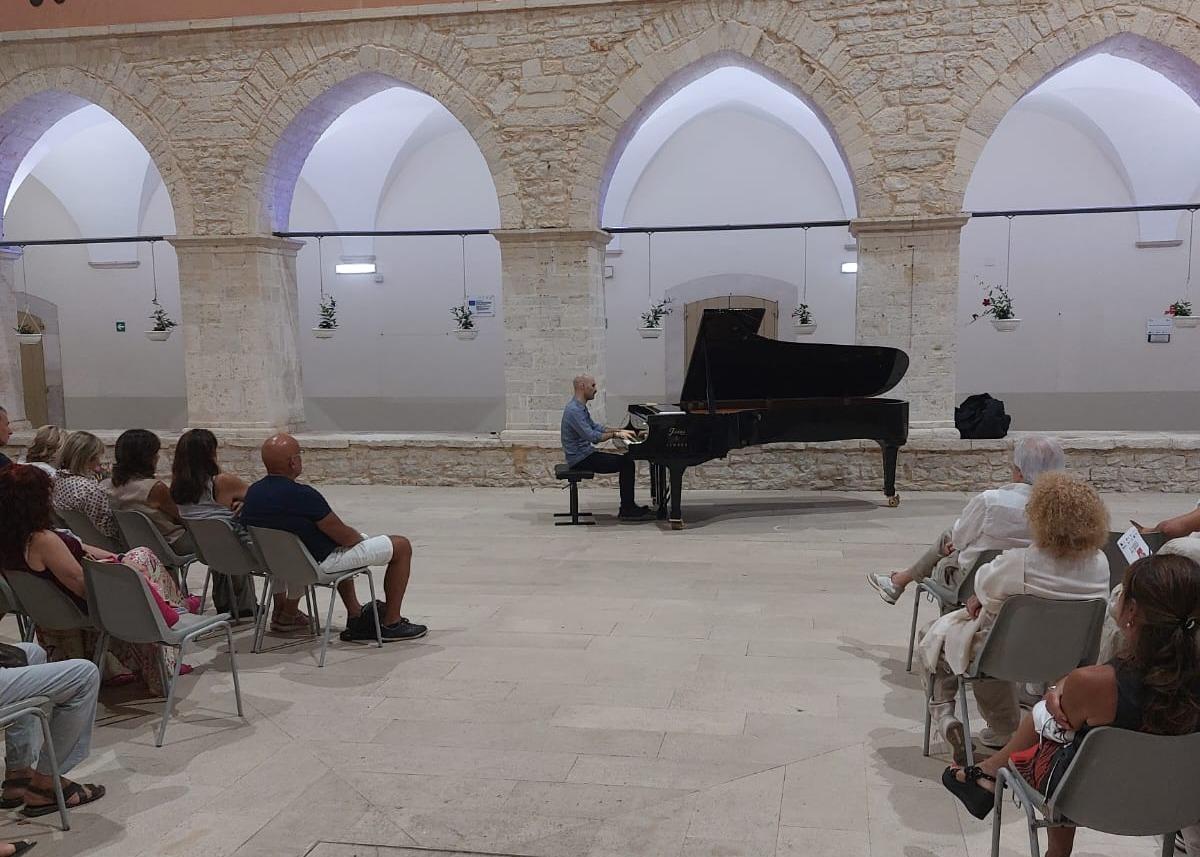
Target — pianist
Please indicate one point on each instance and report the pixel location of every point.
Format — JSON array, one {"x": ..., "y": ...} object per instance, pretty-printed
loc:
[{"x": 580, "y": 434}]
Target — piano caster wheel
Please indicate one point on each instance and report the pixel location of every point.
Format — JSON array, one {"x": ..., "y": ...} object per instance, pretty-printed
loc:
[
  {"x": 677, "y": 525},
  {"x": 894, "y": 501}
]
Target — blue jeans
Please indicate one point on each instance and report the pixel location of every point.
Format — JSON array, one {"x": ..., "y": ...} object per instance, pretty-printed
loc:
[{"x": 73, "y": 687}]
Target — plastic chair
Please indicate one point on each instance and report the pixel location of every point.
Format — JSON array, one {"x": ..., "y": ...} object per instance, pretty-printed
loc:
[
  {"x": 139, "y": 531},
  {"x": 9, "y": 603},
  {"x": 288, "y": 559},
  {"x": 946, "y": 597},
  {"x": 1119, "y": 782},
  {"x": 35, "y": 706},
  {"x": 221, "y": 550},
  {"x": 127, "y": 610},
  {"x": 1034, "y": 640},
  {"x": 51, "y": 608},
  {"x": 82, "y": 526},
  {"x": 1116, "y": 560}
]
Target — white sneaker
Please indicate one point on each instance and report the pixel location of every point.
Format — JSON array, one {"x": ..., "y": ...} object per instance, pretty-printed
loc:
[
  {"x": 992, "y": 739},
  {"x": 882, "y": 583},
  {"x": 951, "y": 729}
]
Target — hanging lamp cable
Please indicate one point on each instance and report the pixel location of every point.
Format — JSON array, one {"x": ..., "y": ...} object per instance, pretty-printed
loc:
[
  {"x": 649, "y": 266},
  {"x": 463, "y": 238},
  {"x": 321, "y": 265},
  {"x": 154, "y": 272},
  {"x": 1187, "y": 286},
  {"x": 1008, "y": 256},
  {"x": 804, "y": 272}
]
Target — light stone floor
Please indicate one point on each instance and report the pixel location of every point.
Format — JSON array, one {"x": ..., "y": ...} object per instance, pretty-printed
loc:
[{"x": 733, "y": 689}]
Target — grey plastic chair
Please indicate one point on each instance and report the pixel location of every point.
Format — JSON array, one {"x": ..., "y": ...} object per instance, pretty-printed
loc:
[
  {"x": 127, "y": 610},
  {"x": 139, "y": 531},
  {"x": 1035, "y": 640},
  {"x": 50, "y": 608},
  {"x": 1119, "y": 782},
  {"x": 288, "y": 559},
  {"x": 946, "y": 597},
  {"x": 82, "y": 526},
  {"x": 221, "y": 550},
  {"x": 1116, "y": 560},
  {"x": 36, "y": 706},
  {"x": 9, "y": 603}
]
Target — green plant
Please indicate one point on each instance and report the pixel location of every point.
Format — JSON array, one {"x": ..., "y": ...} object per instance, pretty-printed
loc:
[
  {"x": 996, "y": 303},
  {"x": 1180, "y": 309},
  {"x": 26, "y": 325},
  {"x": 328, "y": 312},
  {"x": 802, "y": 314},
  {"x": 652, "y": 319},
  {"x": 159, "y": 316},
  {"x": 463, "y": 317}
]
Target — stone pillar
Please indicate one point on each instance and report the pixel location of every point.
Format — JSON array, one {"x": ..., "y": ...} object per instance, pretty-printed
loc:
[
  {"x": 240, "y": 323},
  {"x": 12, "y": 396},
  {"x": 553, "y": 282},
  {"x": 908, "y": 299}
]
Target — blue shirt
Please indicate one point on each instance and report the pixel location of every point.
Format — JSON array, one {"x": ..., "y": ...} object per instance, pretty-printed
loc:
[
  {"x": 279, "y": 503},
  {"x": 579, "y": 432}
]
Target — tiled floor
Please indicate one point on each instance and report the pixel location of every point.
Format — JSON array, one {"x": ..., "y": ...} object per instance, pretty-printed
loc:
[{"x": 731, "y": 689}]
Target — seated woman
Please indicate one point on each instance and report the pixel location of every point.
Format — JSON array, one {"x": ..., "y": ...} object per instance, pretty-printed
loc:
[
  {"x": 29, "y": 544},
  {"x": 1152, "y": 685},
  {"x": 77, "y": 488},
  {"x": 43, "y": 452},
  {"x": 134, "y": 486},
  {"x": 1069, "y": 525}
]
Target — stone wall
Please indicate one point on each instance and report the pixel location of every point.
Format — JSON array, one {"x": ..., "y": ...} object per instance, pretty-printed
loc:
[{"x": 1119, "y": 461}]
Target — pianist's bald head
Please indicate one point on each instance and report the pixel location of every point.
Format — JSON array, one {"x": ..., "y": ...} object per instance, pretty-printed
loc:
[
  {"x": 281, "y": 456},
  {"x": 585, "y": 388}
]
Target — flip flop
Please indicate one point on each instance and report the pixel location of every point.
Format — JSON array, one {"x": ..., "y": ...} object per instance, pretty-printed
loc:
[
  {"x": 87, "y": 793},
  {"x": 978, "y": 800},
  {"x": 16, "y": 783}
]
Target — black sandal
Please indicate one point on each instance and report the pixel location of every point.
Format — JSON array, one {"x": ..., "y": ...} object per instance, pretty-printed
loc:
[
  {"x": 978, "y": 800},
  {"x": 23, "y": 846},
  {"x": 88, "y": 793},
  {"x": 13, "y": 802}
]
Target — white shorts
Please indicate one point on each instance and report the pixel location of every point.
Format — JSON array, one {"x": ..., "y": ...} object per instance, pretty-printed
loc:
[{"x": 372, "y": 550}]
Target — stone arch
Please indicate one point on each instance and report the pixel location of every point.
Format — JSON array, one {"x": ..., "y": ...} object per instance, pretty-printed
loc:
[
  {"x": 32, "y": 101},
  {"x": 1155, "y": 38},
  {"x": 310, "y": 99},
  {"x": 792, "y": 51}
]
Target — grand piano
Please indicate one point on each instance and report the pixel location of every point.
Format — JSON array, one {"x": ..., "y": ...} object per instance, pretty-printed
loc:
[{"x": 742, "y": 389}]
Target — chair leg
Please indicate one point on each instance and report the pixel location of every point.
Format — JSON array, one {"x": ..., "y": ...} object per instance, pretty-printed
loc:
[
  {"x": 328, "y": 623},
  {"x": 234, "y": 606},
  {"x": 928, "y": 713},
  {"x": 101, "y": 648},
  {"x": 965, "y": 717},
  {"x": 48, "y": 748},
  {"x": 162, "y": 729},
  {"x": 912, "y": 632},
  {"x": 237, "y": 687},
  {"x": 1168, "y": 847},
  {"x": 181, "y": 580},
  {"x": 375, "y": 610},
  {"x": 310, "y": 595},
  {"x": 260, "y": 619},
  {"x": 997, "y": 809},
  {"x": 204, "y": 592}
]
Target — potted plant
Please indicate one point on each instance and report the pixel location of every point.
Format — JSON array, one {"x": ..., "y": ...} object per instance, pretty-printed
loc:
[
  {"x": 328, "y": 321},
  {"x": 464, "y": 320},
  {"x": 1181, "y": 314},
  {"x": 802, "y": 320},
  {"x": 652, "y": 319},
  {"x": 27, "y": 330},
  {"x": 999, "y": 306},
  {"x": 163, "y": 323}
]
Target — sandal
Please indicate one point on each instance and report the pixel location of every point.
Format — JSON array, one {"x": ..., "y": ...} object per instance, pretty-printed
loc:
[
  {"x": 22, "y": 846},
  {"x": 290, "y": 623},
  {"x": 15, "y": 783},
  {"x": 978, "y": 800},
  {"x": 87, "y": 793}
]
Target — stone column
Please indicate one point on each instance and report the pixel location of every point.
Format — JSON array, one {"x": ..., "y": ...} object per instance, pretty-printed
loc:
[
  {"x": 240, "y": 323},
  {"x": 553, "y": 281},
  {"x": 908, "y": 299},
  {"x": 12, "y": 396}
]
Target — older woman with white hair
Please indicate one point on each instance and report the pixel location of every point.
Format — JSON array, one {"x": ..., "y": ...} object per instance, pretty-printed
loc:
[{"x": 992, "y": 520}]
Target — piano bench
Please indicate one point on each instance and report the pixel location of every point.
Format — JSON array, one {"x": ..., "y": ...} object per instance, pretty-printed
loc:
[{"x": 563, "y": 471}]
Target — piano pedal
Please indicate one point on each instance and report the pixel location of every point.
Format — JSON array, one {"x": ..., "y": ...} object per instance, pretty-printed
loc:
[{"x": 894, "y": 501}]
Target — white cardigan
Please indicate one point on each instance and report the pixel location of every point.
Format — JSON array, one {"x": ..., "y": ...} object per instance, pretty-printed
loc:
[{"x": 1020, "y": 571}]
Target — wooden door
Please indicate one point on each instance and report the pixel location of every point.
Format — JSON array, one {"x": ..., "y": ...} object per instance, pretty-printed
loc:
[
  {"x": 33, "y": 381},
  {"x": 693, "y": 311}
]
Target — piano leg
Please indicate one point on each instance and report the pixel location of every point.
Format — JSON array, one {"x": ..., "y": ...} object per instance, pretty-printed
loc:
[
  {"x": 676, "y": 493},
  {"x": 658, "y": 485},
  {"x": 890, "y": 454}
]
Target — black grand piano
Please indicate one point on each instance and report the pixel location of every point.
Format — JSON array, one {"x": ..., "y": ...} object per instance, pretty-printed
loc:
[{"x": 742, "y": 389}]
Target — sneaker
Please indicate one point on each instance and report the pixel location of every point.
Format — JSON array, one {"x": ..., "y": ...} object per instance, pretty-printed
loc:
[
  {"x": 992, "y": 739},
  {"x": 635, "y": 513},
  {"x": 882, "y": 584},
  {"x": 1029, "y": 695},
  {"x": 951, "y": 728},
  {"x": 403, "y": 630}
]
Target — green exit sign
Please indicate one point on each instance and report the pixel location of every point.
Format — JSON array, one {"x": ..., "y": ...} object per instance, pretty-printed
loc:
[{"x": 120, "y": 327}]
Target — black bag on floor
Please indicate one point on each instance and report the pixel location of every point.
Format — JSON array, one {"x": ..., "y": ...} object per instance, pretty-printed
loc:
[{"x": 980, "y": 417}]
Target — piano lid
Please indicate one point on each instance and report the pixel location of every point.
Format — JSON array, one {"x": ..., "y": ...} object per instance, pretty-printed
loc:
[{"x": 742, "y": 365}]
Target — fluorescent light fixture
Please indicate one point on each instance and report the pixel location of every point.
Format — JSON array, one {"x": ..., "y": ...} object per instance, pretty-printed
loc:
[
  {"x": 849, "y": 267},
  {"x": 354, "y": 268}
]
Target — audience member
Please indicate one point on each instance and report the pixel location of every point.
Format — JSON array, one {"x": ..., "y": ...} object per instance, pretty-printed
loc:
[
  {"x": 72, "y": 688},
  {"x": 43, "y": 452},
  {"x": 580, "y": 434},
  {"x": 29, "y": 544},
  {"x": 278, "y": 501},
  {"x": 992, "y": 520},
  {"x": 1151, "y": 685},
  {"x": 5, "y": 437},
  {"x": 1069, "y": 523},
  {"x": 1179, "y": 526},
  {"x": 77, "y": 488},
  {"x": 201, "y": 491},
  {"x": 135, "y": 486}
]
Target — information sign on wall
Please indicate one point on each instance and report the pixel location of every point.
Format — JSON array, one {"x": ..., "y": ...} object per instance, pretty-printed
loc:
[{"x": 482, "y": 305}]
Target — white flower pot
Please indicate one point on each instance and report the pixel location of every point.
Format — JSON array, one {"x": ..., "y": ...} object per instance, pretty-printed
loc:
[
  {"x": 1186, "y": 320},
  {"x": 29, "y": 338},
  {"x": 1006, "y": 325},
  {"x": 650, "y": 332},
  {"x": 158, "y": 335},
  {"x": 807, "y": 329},
  {"x": 324, "y": 332},
  {"x": 466, "y": 334}
]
